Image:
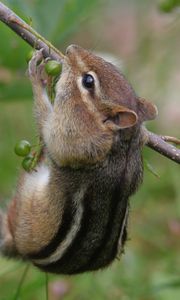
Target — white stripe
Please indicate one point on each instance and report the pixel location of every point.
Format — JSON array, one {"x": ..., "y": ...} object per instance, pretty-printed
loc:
[
  {"x": 122, "y": 231},
  {"x": 58, "y": 253}
]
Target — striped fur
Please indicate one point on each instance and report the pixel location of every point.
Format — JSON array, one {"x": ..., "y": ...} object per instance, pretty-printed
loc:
[
  {"x": 98, "y": 219},
  {"x": 70, "y": 214}
]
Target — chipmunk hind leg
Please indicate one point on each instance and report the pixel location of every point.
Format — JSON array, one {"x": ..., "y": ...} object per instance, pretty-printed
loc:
[{"x": 23, "y": 227}]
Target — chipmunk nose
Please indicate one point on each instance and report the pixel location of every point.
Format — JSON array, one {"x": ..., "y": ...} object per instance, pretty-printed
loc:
[{"x": 71, "y": 48}]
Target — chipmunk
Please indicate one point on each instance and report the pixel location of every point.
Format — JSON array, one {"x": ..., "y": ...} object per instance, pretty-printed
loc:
[{"x": 70, "y": 214}]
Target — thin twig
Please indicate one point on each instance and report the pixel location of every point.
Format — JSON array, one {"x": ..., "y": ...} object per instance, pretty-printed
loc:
[
  {"x": 157, "y": 143},
  {"x": 171, "y": 139},
  {"x": 26, "y": 32}
]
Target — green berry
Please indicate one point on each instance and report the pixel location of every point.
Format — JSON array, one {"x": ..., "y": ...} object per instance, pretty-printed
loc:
[
  {"x": 29, "y": 55},
  {"x": 27, "y": 163},
  {"x": 22, "y": 148},
  {"x": 53, "y": 68}
]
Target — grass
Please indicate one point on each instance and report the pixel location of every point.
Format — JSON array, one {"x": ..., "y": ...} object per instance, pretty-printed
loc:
[{"x": 150, "y": 267}]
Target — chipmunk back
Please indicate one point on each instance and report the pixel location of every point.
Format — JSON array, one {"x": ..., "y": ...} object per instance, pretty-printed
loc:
[{"x": 70, "y": 215}]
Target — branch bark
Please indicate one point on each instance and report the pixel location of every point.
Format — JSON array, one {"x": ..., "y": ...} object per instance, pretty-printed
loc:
[
  {"x": 158, "y": 143},
  {"x": 27, "y": 33}
]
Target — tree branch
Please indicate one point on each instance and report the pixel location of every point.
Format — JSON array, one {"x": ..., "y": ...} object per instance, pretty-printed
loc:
[
  {"x": 159, "y": 144},
  {"x": 27, "y": 33}
]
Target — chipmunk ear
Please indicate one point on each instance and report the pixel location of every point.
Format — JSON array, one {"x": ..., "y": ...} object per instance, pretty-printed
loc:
[
  {"x": 121, "y": 117},
  {"x": 146, "y": 110}
]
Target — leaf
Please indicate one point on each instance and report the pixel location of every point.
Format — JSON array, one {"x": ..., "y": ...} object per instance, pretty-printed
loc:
[{"x": 151, "y": 169}]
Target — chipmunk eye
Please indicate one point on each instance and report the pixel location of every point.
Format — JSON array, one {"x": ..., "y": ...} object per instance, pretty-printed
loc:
[{"x": 88, "y": 81}]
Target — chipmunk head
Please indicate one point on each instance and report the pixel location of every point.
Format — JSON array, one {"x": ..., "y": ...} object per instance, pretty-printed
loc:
[{"x": 93, "y": 103}]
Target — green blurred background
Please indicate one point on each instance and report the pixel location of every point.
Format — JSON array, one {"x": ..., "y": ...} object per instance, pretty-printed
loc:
[{"x": 146, "y": 40}]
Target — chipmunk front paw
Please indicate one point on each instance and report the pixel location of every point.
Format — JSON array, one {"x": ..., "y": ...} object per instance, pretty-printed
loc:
[{"x": 36, "y": 69}]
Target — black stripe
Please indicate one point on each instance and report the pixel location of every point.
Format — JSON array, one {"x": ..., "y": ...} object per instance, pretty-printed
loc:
[
  {"x": 114, "y": 251},
  {"x": 71, "y": 263},
  {"x": 98, "y": 253},
  {"x": 64, "y": 227},
  {"x": 62, "y": 264},
  {"x": 84, "y": 229}
]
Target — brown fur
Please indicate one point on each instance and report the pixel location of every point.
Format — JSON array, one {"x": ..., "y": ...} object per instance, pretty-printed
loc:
[{"x": 93, "y": 144}]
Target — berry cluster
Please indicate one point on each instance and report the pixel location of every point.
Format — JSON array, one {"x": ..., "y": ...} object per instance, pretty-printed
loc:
[{"x": 23, "y": 148}]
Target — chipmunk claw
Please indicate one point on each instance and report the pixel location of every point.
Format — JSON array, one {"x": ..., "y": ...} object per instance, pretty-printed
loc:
[{"x": 36, "y": 67}]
